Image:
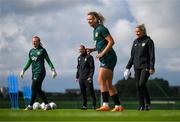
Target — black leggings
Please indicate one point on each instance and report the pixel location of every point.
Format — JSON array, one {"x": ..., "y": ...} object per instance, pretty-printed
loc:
[
  {"x": 36, "y": 89},
  {"x": 84, "y": 85},
  {"x": 141, "y": 77}
]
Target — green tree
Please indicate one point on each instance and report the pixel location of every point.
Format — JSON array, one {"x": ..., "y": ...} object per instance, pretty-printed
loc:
[{"x": 126, "y": 88}]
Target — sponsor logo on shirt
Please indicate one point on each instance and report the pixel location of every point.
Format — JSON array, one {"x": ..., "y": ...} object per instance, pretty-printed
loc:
[{"x": 34, "y": 58}]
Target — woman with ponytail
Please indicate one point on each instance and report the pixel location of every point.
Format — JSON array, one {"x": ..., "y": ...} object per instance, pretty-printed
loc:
[
  {"x": 36, "y": 57},
  {"x": 143, "y": 59},
  {"x": 107, "y": 57}
]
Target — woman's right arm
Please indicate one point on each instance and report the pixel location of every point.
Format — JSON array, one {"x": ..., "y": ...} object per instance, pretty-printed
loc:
[
  {"x": 26, "y": 67},
  {"x": 130, "y": 63},
  {"x": 77, "y": 73},
  {"x": 91, "y": 49},
  {"x": 27, "y": 64}
]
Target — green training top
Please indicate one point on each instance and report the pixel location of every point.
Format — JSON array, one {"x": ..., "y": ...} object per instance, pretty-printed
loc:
[
  {"x": 100, "y": 32},
  {"x": 36, "y": 58}
]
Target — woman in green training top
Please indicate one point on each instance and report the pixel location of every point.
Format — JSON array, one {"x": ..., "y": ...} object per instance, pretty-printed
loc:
[
  {"x": 107, "y": 57},
  {"x": 36, "y": 57}
]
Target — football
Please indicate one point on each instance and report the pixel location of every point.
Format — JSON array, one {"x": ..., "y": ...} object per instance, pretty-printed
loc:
[
  {"x": 53, "y": 105},
  {"x": 36, "y": 106},
  {"x": 42, "y": 105}
]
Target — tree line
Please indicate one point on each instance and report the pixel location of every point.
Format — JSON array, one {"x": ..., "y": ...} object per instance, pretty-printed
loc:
[{"x": 158, "y": 88}]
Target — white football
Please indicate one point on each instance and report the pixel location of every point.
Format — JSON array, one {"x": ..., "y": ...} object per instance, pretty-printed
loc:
[
  {"x": 53, "y": 105},
  {"x": 42, "y": 105},
  {"x": 36, "y": 106}
]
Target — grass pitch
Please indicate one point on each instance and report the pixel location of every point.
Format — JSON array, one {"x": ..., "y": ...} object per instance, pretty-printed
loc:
[{"x": 89, "y": 115}]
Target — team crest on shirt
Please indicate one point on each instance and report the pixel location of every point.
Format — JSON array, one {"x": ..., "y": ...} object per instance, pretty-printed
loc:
[
  {"x": 143, "y": 44},
  {"x": 38, "y": 53},
  {"x": 96, "y": 34},
  {"x": 85, "y": 59}
]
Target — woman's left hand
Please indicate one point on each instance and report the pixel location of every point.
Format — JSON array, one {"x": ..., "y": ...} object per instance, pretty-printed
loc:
[
  {"x": 99, "y": 55},
  {"x": 54, "y": 74}
]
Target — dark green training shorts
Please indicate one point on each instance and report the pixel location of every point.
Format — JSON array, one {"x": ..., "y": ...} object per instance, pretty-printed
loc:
[{"x": 109, "y": 60}]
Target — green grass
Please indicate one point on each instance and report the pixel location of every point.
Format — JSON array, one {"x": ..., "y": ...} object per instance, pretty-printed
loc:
[{"x": 89, "y": 115}]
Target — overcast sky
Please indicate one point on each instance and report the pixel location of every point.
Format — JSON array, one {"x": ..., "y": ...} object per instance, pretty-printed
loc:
[{"x": 62, "y": 27}]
